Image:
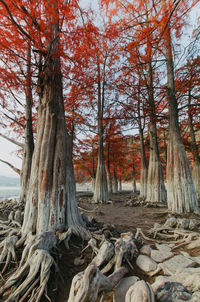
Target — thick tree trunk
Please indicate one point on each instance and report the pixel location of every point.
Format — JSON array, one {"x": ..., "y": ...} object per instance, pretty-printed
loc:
[
  {"x": 101, "y": 186},
  {"x": 181, "y": 193},
  {"x": 29, "y": 142},
  {"x": 144, "y": 169},
  {"x": 134, "y": 181},
  {"x": 195, "y": 151},
  {"x": 51, "y": 202},
  {"x": 156, "y": 191},
  {"x": 115, "y": 185}
]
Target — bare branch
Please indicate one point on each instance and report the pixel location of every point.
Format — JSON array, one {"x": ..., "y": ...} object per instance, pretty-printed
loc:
[
  {"x": 12, "y": 141},
  {"x": 18, "y": 171}
]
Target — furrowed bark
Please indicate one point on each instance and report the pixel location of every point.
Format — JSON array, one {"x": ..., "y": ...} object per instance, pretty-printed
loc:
[
  {"x": 144, "y": 168},
  {"x": 101, "y": 187},
  {"x": 156, "y": 191},
  {"x": 51, "y": 202},
  {"x": 29, "y": 142},
  {"x": 181, "y": 193},
  {"x": 195, "y": 150}
]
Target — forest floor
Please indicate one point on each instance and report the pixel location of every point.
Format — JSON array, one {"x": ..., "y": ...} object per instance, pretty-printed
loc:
[
  {"x": 116, "y": 216},
  {"x": 119, "y": 218}
]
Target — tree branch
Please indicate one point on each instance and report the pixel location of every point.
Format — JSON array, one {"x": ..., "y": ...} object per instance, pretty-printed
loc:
[
  {"x": 18, "y": 171},
  {"x": 12, "y": 141}
]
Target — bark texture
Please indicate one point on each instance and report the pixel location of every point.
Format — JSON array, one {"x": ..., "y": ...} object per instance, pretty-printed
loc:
[
  {"x": 181, "y": 193},
  {"x": 156, "y": 191},
  {"x": 134, "y": 181},
  {"x": 29, "y": 143},
  {"x": 101, "y": 186},
  {"x": 195, "y": 150},
  {"x": 115, "y": 185},
  {"x": 51, "y": 202},
  {"x": 144, "y": 168},
  {"x": 110, "y": 187}
]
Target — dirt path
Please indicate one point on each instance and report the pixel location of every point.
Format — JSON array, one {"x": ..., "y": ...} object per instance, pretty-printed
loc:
[{"x": 125, "y": 218}]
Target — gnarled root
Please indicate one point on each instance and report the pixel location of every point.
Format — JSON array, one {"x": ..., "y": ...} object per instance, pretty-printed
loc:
[
  {"x": 105, "y": 253},
  {"x": 8, "y": 252},
  {"x": 87, "y": 285},
  {"x": 124, "y": 248},
  {"x": 40, "y": 262},
  {"x": 141, "y": 291}
]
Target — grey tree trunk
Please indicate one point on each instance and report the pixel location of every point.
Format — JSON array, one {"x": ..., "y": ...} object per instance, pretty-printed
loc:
[
  {"x": 110, "y": 187},
  {"x": 195, "y": 151},
  {"x": 181, "y": 193},
  {"x": 101, "y": 186},
  {"x": 144, "y": 169},
  {"x": 29, "y": 142},
  {"x": 156, "y": 191},
  {"x": 120, "y": 184},
  {"x": 51, "y": 202},
  {"x": 134, "y": 181},
  {"x": 115, "y": 185}
]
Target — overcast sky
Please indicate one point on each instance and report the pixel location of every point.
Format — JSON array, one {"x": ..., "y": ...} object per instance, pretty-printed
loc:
[
  {"x": 8, "y": 153},
  {"x": 8, "y": 150}
]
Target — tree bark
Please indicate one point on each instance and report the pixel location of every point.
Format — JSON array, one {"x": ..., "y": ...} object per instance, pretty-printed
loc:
[
  {"x": 110, "y": 187},
  {"x": 144, "y": 169},
  {"x": 195, "y": 151},
  {"x": 115, "y": 185},
  {"x": 120, "y": 184},
  {"x": 101, "y": 187},
  {"x": 156, "y": 191},
  {"x": 51, "y": 202},
  {"x": 134, "y": 181},
  {"x": 29, "y": 142},
  {"x": 181, "y": 193}
]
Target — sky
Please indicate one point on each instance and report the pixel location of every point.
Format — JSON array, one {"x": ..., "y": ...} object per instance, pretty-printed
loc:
[
  {"x": 8, "y": 150},
  {"x": 8, "y": 153}
]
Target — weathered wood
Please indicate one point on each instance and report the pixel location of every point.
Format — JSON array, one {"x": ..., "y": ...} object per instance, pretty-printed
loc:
[{"x": 86, "y": 286}]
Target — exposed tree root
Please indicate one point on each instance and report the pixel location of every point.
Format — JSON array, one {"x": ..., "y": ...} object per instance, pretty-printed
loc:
[
  {"x": 125, "y": 248},
  {"x": 39, "y": 263},
  {"x": 88, "y": 285},
  {"x": 8, "y": 252}
]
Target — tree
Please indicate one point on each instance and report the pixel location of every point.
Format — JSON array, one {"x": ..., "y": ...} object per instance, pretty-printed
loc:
[
  {"x": 180, "y": 187},
  {"x": 187, "y": 87},
  {"x": 51, "y": 202}
]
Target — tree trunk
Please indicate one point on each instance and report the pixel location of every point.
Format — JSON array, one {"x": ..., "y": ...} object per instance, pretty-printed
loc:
[
  {"x": 101, "y": 187},
  {"x": 144, "y": 169},
  {"x": 51, "y": 202},
  {"x": 120, "y": 184},
  {"x": 134, "y": 181},
  {"x": 115, "y": 185},
  {"x": 29, "y": 142},
  {"x": 110, "y": 187},
  {"x": 156, "y": 191},
  {"x": 181, "y": 193},
  {"x": 195, "y": 151}
]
